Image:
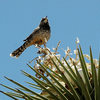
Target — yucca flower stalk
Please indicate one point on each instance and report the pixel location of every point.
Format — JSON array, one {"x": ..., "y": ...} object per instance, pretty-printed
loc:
[{"x": 57, "y": 78}]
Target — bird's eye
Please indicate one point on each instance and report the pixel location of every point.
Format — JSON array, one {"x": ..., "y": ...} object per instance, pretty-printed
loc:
[{"x": 43, "y": 19}]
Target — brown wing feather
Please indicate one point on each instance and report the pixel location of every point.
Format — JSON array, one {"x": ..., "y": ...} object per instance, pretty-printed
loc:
[{"x": 31, "y": 35}]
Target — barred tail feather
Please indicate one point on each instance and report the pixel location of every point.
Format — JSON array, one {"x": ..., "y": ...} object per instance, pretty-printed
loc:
[{"x": 19, "y": 51}]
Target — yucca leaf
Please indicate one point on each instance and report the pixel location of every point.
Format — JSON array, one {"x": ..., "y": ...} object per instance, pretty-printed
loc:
[
  {"x": 67, "y": 82},
  {"x": 83, "y": 87},
  {"x": 34, "y": 86},
  {"x": 20, "y": 95},
  {"x": 15, "y": 94},
  {"x": 27, "y": 96},
  {"x": 26, "y": 88},
  {"x": 94, "y": 77},
  {"x": 9, "y": 95},
  {"x": 84, "y": 69},
  {"x": 9, "y": 88},
  {"x": 60, "y": 78},
  {"x": 53, "y": 86},
  {"x": 99, "y": 73},
  {"x": 70, "y": 74},
  {"x": 41, "y": 85},
  {"x": 83, "y": 60},
  {"x": 69, "y": 94},
  {"x": 45, "y": 84},
  {"x": 55, "y": 74},
  {"x": 42, "y": 82}
]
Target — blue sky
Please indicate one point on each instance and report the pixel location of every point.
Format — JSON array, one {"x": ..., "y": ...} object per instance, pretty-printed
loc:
[{"x": 68, "y": 19}]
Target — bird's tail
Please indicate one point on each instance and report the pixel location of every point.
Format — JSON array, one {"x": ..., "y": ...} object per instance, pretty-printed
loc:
[{"x": 19, "y": 51}]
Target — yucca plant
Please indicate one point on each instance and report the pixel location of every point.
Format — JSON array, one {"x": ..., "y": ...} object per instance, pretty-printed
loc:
[{"x": 59, "y": 78}]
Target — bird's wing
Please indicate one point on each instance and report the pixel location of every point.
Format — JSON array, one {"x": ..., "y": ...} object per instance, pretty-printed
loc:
[{"x": 32, "y": 34}]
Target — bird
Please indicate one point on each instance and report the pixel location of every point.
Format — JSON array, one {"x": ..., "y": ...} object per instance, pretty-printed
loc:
[{"x": 38, "y": 37}]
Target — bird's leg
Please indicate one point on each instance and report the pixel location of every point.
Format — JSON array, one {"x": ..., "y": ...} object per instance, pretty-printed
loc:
[
  {"x": 45, "y": 45},
  {"x": 37, "y": 46}
]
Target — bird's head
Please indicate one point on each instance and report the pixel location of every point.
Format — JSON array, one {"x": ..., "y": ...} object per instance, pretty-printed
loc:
[{"x": 44, "y": 22}]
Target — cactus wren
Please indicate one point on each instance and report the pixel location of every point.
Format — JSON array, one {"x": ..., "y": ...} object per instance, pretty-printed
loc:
[{"x": 38, "y": 37}]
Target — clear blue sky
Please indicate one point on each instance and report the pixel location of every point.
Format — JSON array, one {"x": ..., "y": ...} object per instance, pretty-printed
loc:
[{"x": 68, "y": 19}]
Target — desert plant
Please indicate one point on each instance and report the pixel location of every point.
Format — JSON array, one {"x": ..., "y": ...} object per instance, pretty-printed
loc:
[{"x": 57, "y": 78}]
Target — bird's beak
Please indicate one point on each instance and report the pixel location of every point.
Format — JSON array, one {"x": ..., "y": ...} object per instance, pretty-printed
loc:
[{"x": 46, "y": 19}]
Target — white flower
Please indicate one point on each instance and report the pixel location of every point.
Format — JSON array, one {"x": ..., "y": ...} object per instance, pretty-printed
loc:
[
  {"x": 76, "y": 52},
  {"x": 54, "y": 49},
  {"x": 58, "y": 56},
  {"x": 77, "y": 40},
  {"x": 96, "y": 62},
  {"x": 87, "y": 56},
  {"x": 37, "y": 66},
  {"x": 67, "y": 52}
]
